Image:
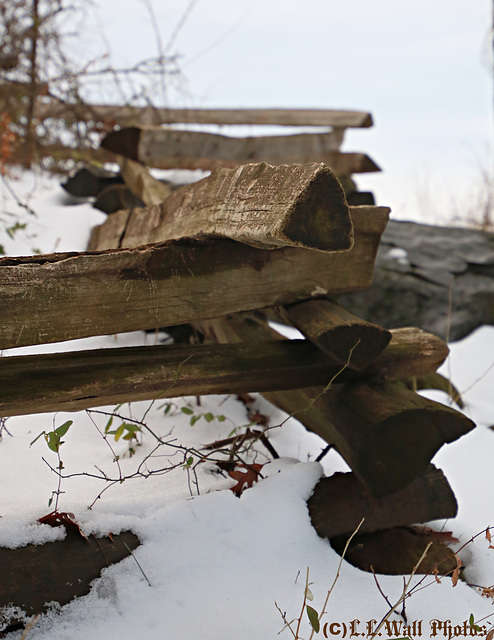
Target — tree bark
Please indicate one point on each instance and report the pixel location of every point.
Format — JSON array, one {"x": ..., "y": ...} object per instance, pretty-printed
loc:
[
  {"x": 66, "y": 296},
  {"x": 30, "y": 140},
  {"x": 266, "y": 207}
]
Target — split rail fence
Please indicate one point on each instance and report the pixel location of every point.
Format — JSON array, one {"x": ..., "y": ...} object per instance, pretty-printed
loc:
[
  {"x": 158, "y": 138},
  {"x": 223, "y": 254}
]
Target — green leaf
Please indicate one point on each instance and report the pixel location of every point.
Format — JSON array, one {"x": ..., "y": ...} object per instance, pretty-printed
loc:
[
  {"x": 53, "y": 441},
  {"x": 309, "y": 595},
  {"x": 119, "y": 432},
  {"x": 471, "y": 621},
  {"x": 194, "y": 419},
  {"x": 11, "y": 231},
  {"x": 168, "y": 408},
  {"x": 62, "y": 429},
  {"x": 208, "y": 417},
  {"x": 132, "y": 428},
  {"x": 220, "y": 418},
  {"x": 109, "y": 424},
  {"x": 313, "y": 618},
  {"x": 187, "y": 410}
]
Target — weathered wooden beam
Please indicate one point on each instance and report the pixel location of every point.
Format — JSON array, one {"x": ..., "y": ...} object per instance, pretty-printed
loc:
[
  {"x": 141, "y": 182},
  {"x": 73, "y": 155},
  {"x": 346, "y": 338},
  {"x": 90, "y": 180},
  {"x": 411, "y": 353},
  {"x": 82, "y": 379},
  {"x": 340, "y": 502},
  {"x": 79, "y": 380},
  {"x": 19, "y": 90},
  {"x": 390, "y": 434},
  {"x": 65, "y": 296},
  {"x": 386, "y": 435},
  {"x": 397, "y": 551},
  {"x": 152, "y": 115},
  {"x": 33, "y": 576},
  {"x": 183, "y": 149},
  {"x": 257, "y": 204},
  {"x": 115, "y": 198}
]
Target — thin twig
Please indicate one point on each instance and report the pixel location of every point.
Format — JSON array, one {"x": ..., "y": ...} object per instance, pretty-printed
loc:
[
  {"x": 323, "y": 611},
  {"x": 405, "y": 593},
  {"x": 283, "y": 617},
  {"x": 29, "y": 626},
  {"x": 325, "y": 389},
  {"x": 379, "y": 587},
  {"x": 137, "y": 563},
  {"x": 303, "y": 605}
]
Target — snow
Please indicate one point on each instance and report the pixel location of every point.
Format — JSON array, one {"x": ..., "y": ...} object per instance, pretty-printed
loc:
[{"x": 217, "y": 564}]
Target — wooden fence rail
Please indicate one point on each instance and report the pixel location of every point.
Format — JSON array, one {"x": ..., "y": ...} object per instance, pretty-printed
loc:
[
  {"x": 253, "y": 237},
  {"x": 349, "y": 381},
  {"x": 151, "y": 115},
  {"x": 66, "y": 296},
  {"x": 172, "y": 149}
]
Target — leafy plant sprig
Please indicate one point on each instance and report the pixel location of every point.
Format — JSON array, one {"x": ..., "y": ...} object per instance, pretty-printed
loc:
[
  {"x": 195, "y": 417},
  {"x": 54, "y": 438},
  {"x": 54, "y": 441}
]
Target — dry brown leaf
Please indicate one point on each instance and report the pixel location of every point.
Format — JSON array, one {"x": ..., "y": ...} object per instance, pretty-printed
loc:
[
  {"x": 456, "y": 573},
  {"x": 245, "y": 476},
  {"x": 436, "y": 575},
  {"x": 436, "y": 536}
]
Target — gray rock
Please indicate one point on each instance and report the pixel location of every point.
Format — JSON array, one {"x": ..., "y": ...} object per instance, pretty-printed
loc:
[{"x": 440, "y": 279}]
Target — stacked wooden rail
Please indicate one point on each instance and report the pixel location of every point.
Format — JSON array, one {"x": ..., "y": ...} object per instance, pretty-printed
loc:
[
  {"x": 169, "y": 147},
  {"x": 163, "y": 138},
  {"x": 213, "y": 254}
]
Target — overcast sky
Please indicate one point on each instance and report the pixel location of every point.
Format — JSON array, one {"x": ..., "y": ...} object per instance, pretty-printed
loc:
[{"x": 422, "y": 68}]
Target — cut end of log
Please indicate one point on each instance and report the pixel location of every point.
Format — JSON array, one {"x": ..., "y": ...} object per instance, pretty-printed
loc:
[
  {"x": 320, "y": 218},
  {"x": 340, "y": 501},
  {"x": 402, "y": 446},
  {"x": 397, "y": 551},
  {"x": 124, "y": 142},
  {"x": 412, "y": 352},
  {"x": 355, "y": 346},
  {"x": 350, "y": 341},
  {"x": 367, "y": 121}
]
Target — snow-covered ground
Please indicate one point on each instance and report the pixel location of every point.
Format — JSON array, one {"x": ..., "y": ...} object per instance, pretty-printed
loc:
[{"x": 217, "y": 564}]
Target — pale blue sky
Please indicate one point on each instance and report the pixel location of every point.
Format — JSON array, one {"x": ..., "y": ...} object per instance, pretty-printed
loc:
[{"x": 421, "y": 67}]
